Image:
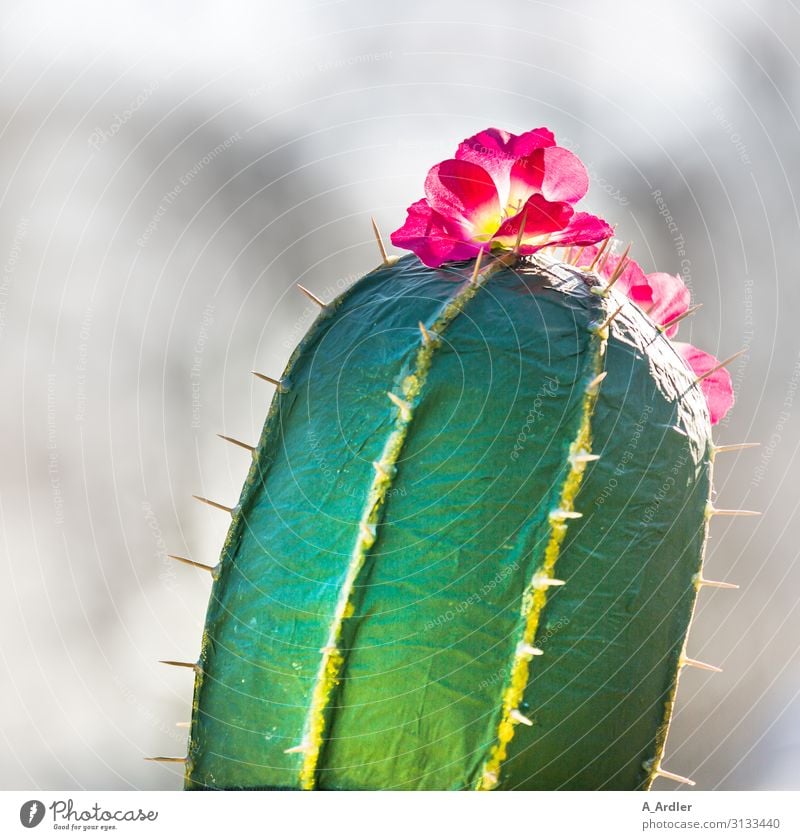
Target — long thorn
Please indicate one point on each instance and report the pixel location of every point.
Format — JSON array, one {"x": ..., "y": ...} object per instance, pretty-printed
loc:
[
  {"x": 517, "y": 715},
  {"x": 194, "y": 563},
  {"x": 734, "y": 447},
  {"x": 382, "y": 471},
  {"x": 611, "y": 317},
  {"x": 379, "y": 238},
  {"x": 715, "y": 584},
  {"x": 521, "y": 232},
  {"x": 179, "y": 664},
  {"x": 559, "y": 515},
  {"x": 477, "y": 268},
  {"x": 426, "y": 336},
  {"x": 544, "y": 582},
  {"x": 166, "y": 758},
  {"x": 703, "y": 666},
  {"x": 718, "y": 367},
  {"x": 276, "y": 382},
  {"x": 312, "y": 296},
  {"x": 596, "y": 381},
  {"x": 213, "y": 504},
  {"x": 678, "y": 318},
  {"x": 193, "y": 665},
  {"x": 582, "y": 458},
  {"x": 621, "y": 266},
  {"x": 665, "y": 774},
  {"x": 490, "y": 779},
  {"x": 403, "y": 406},
  {"x": 600, "y": 252},
  {"x": 712, "y": 511},
  {"x": 237, "y": 442}
]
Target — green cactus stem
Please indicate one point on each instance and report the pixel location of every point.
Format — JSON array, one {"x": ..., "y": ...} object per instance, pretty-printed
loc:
[{"x": 468, "y": 548}]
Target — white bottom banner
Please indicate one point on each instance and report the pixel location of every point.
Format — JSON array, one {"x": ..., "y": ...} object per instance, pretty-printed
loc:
[{"x": 389, "y": 815}]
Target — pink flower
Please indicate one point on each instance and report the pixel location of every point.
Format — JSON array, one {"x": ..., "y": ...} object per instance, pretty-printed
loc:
[
  {"x": 480, "y": 198},
  {"x": 717, "y": 388},
  {"x": 665, "y": 297}
]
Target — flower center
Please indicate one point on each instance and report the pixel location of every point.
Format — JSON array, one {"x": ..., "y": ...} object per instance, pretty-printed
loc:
[{"x": 485, "y": 226}]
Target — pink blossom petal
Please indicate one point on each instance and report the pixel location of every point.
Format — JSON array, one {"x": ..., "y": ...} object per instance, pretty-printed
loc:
[
  {"x": 429, "y": 235},
  {"x": 583, "y": 229},
  {"x": 555, "y": 172},
  {"x": 671, "y": 299},
  {"x": 632, "y": 282},
  {"x": 717, "y": 388},
  {"x": 542, "y": 218},
  {"x": 495, "y": 146},
  {"x": 588, "y": 253},
  {"x": 463, "y": 191},
  {"x": 525, "y": 178},
  {"x": 663, "y": 296},
  {"x": 496, "y": 151}
]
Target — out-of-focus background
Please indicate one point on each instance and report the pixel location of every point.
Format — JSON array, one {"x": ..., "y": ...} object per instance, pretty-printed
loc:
[{"x": 169, "y": 171}]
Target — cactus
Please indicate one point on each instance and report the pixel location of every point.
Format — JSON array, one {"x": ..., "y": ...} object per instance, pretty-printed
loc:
[{"x": 470, "y": 541}]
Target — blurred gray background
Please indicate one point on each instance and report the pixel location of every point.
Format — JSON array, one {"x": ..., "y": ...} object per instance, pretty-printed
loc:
[{"x": 170, "y": 170}]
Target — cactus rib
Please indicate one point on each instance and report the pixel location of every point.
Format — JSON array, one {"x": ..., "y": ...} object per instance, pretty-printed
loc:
[
  {"x": 269, "y": 431},
  {"x": 332, "y": 657},
  {"x": 535, "y": 596}
]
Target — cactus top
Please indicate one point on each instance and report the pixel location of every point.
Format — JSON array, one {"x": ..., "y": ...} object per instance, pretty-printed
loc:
[{"x": 465, "y": 556}]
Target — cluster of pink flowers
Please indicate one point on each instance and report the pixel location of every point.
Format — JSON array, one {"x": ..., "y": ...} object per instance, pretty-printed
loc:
[
  {"x": 665, "y": 299},
  {"x": 502, "y": 191}
]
